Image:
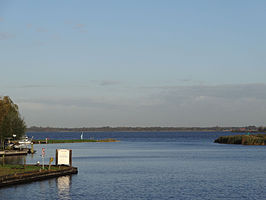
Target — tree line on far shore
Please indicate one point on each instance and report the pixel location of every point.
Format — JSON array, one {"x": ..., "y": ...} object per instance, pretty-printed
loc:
[
  {"x": 148, "y": 129},
  {"x": 12, "y": 124}
]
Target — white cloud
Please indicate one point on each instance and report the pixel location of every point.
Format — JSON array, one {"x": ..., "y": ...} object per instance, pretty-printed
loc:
[
  {"x": 32, "y": 86},
  {"x": 31, "y": 106},
  {"x": 29, "y": 26},
  {"x": 41, "y": 30},
  {"x": 109, "y": 82},
  {"x": 224, "y": 105},
  {"x": 79, "y": 26},
  {"x": 6, "y": 36},
  {"x": 237, "y": 91}
]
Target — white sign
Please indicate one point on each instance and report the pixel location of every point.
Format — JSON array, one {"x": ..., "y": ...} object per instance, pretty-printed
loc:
[{"x": 63, "y": 157}]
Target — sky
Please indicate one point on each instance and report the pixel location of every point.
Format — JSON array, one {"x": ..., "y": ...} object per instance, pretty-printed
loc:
[{"x": 115, "y": 63}]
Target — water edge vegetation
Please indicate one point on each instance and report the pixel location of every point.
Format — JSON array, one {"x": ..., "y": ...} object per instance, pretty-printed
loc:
[
  {"x": 249, "y": 139},
  {"x": 73, "y": 141}
]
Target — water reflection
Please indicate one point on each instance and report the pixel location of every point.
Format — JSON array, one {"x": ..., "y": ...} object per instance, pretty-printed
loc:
[
  {"x": 13, "y": 160},
  {"x": 63, "y": 186}
]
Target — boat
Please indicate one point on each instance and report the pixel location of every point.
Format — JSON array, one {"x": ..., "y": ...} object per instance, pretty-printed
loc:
[{"x": 25, "y": 141}]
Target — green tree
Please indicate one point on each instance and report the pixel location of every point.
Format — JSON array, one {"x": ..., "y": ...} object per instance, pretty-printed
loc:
[{"x": 11, "y": 122}]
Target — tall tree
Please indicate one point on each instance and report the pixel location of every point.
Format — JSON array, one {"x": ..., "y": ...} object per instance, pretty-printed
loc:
[{"x": 11, "y": 122}]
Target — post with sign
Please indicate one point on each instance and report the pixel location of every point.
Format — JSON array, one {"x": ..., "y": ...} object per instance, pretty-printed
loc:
[
  {"x": 43, "y": 154},
  {"x": 64, "y": 157}
]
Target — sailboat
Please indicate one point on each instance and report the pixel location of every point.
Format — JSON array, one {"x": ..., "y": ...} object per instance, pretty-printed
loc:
[{"x": 81, "y": 136}]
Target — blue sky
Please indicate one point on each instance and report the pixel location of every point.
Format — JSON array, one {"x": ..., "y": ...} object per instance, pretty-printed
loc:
[{"x": 135, "y": 63}]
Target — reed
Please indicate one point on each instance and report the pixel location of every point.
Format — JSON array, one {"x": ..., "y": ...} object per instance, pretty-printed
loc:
[{"x": 257, "y": 139}]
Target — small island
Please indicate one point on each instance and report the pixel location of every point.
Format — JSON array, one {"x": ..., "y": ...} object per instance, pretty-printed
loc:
[{"x": 249, "y": 139}]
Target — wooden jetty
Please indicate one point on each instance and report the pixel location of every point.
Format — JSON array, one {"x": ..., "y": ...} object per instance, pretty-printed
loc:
[
  {"x": 26, "y": 177},
  {"x": 13, "y": 152}
]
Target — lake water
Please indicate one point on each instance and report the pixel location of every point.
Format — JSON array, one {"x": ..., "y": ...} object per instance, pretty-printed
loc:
[{"x": 150, "y": 166}]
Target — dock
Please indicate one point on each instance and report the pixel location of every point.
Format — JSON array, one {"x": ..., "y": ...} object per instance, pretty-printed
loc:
[
  {"x": 13, "y": 152},
  {"x": 26, "y": 177}
]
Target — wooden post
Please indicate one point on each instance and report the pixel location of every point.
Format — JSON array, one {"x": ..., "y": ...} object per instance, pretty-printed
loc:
[
  {"x": 56, "y": 157},
  {"x": 50, "y": 162},
  {"x": 3, "y": 157},
  {"x": 32, "y": 150},
  {"x": 24, "y": 162},
  {"x": 43, "y": 155},
  {"x": 70, "y": 157}
]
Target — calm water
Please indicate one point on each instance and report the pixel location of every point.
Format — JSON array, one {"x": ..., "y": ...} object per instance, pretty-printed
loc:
[{"x": 151, "y": 166}]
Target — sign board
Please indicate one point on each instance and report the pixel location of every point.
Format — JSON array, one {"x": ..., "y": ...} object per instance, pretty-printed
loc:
[{"x": 64, "y": 157}]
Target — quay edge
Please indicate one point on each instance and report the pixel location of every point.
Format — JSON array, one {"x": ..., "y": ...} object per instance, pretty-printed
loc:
[
  {"x": 13, "y": 152},
  {"x": 26, "y": 177}
]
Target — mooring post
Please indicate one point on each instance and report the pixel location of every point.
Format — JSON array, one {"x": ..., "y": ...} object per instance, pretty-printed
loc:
[
  {"x": 50, "y": 162},
  {"x": 3, "y": 157},
  {"x": 32, "y": 150},
  {"x": 24, "y": 162},
  {"x": 43, "y": 154}
]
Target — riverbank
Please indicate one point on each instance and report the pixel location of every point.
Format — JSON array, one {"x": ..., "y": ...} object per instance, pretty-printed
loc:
[
  {"x": 254, "y": 139},
  {"x": 73, "y": 141},
  {"x": 18, "y": 174}
]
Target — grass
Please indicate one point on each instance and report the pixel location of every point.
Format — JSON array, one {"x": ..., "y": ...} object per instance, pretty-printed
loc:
[
  {"x": 13, "y": 169},
  {"x": 257, "y": 139},
  {"x": 74, "y": 141}
]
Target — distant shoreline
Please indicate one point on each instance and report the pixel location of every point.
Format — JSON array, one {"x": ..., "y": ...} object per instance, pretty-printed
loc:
[
  {"x": 73, "y": 141},
  {"x": 145, "y": 129}
]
